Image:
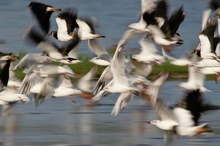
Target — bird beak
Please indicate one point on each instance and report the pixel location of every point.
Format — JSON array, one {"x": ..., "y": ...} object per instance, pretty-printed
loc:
[
  {"x": 53, "y": 9},
  {"x": 148, "y": 122}
]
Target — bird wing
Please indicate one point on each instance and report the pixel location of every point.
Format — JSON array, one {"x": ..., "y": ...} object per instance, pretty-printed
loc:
[
  {"x": 103, "y": 80},
  {"x": 118, "y": 67},
  {"x": 122, "y": 102},
  {"x": 96, "y": 47},
  {"x": 184, "y": 117},
  {"x": 147, "y": 46},
  {"x": 47, "y": 89},
  {"x": 163, "y": 110},
  {"x": 127, "y": 37},
  {"x": 155, "y": 86},
  {"x": 175, "y": 20},
  {"x": 85, "y": 82},
  {"x": 30, "y": 59},
  {"x": 69, "y": 15}
]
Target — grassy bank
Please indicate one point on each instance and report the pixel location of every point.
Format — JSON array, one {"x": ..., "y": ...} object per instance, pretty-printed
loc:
[{"x": 80, "y": 69}]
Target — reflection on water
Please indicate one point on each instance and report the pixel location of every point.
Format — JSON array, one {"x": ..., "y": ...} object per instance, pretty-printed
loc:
[{"x": 60, "y": 122}]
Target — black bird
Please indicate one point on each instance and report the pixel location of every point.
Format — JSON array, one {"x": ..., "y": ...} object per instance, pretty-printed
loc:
[
  {"x": 43, "y": 12},
  {"x": 5, "y": 61},
  {"x": 196, "y": 104},
  {"x": 66, "y": 22},
  {"x": 164, "y": 29}
]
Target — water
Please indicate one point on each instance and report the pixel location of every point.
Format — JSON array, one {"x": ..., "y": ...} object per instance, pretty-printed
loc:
[
  {"x": 58, "y": 122},
  {"x": 113, "y": 17}
]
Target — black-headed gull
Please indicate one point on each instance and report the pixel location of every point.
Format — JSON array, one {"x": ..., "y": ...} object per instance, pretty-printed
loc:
[
  {"x": 66, "y": 22},
  {"x": 177, "y": 121}
]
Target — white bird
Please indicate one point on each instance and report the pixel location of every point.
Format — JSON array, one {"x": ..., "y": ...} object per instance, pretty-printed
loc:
[
  {"x": 10, "y": 96},
  {"x": 177, "y": 121},
  {"x": 195, "y": 78},
  {"x": 66, "y": 22},
  {"x": 120, "y": 82},
  {"x": 86, "y": 29},
  {"x": 149, "y": 53},
  {"x": 146, "y": 6},
  {"x": 102, "y": 57},
  {"x": 58, "y": 85}
]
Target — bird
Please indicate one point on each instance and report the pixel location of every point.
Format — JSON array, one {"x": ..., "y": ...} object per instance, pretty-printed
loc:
[
  {"x": 195, "y": 77},
  {"x": 56, "y": 85},
  {"x": 38, "y": 72},
  {"x": 66, "y": 22},
  {"x": 42, "y": 12},
  {"x": 164, "y": 30},
  {"x": 120, "y": 82},
  {"x": 5, "y": 62},
  {"x": 194, "y": 101},
  {"x": 9, "y": 97},
  {"x": 53, "y": 51},
  {"x": 103, "y": 58},
  {"x": 86, "y": 29},
  {"x": 149, "y": 53},
  {"x": 178, "y": 121}
]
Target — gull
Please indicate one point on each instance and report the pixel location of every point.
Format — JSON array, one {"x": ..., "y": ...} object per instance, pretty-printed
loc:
[
  {"x": 43, "y": 12},
  {"x": 195, "y": 78},
  {"x": 213, "y": 5},
  {"x": 163, "y": 30},
  {"x": 208, "y": 41},
  {"x": 55, "y": 53},
  {"x": 194, "y": 101},
  {"x": 98, "y": 89},
  {"x": 66, "y": 22},
  {"x": 150, "y": 93},
  {"x": 5, "y": 62},
  {"x": 9, "y": 97},
  {"x": 53, "y": 86},
  {"x": 38, "y": 72},
  {"x": 102, "y": 57},
  {"x": 146, "y": 6},
  {"x": 149, "y": 52},
  {"x": 128, "y": 36},
  {"x": 120, "y": 82},
  {"x": 86, "y": 29},
  {"x": 178, "y": 121},
  {"x": 143, "y": 69}
]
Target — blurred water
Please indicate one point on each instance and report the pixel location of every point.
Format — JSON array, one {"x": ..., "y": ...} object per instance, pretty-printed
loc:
[
  {"x": 59, "y": 122},
  {"x": 113, "y": 16}
]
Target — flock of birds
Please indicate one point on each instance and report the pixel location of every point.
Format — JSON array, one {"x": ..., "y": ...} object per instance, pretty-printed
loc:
[{"x": 44, "y": 79}]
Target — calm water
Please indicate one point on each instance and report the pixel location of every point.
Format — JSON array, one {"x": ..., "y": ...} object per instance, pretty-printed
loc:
[{"x": 61, "y": 123}]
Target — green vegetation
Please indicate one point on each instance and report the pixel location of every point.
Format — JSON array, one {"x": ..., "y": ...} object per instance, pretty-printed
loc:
[{"x": 80, "y": 69}]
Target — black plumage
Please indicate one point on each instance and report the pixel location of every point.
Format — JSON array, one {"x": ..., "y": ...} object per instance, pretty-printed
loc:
[{"x": 43, "y": 12}]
